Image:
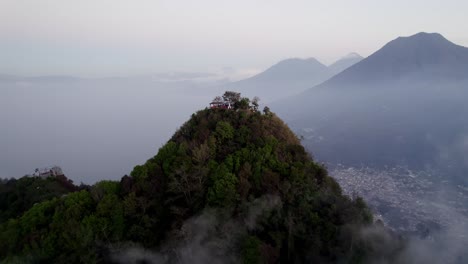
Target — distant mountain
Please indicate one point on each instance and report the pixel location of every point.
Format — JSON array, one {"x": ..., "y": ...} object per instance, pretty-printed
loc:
[
  {"x": 287, "y": 77},
  {"x": 403, "y": 105},
  {"x": 345, "y": 62},
  {"x": 423, "y": 55},
  {"x": 290, "y": 77},
  {"x": 292, "y": 70},
  {"x": 393, "y": 128}
]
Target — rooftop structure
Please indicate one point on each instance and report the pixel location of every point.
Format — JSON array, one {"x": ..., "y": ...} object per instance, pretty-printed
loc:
[
  {"x": 222, "y": 105},
  {"x": 51, "y": 171}
]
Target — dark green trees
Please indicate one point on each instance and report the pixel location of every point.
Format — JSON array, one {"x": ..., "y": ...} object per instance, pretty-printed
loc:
[
  {"x": 222, "y": 161},
  {"x": 18, "y": 195}
]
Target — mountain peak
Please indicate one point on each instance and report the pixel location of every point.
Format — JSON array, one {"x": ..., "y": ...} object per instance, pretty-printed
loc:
[
  {"x": 293, "y": 69},
  {"x": 425, "y": 36},
  {"x": 422, "y": 38},
  {"x": 422, "y": 56},
  {"x": 352, "y": 55},
  {"x": 298, "y": 61},
  {"x": 283, "y": 79},
  {"x": 345, "y": 62}
]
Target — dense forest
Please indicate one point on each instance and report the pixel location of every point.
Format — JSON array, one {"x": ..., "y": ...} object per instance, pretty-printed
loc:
[{"x": 232, "y": 185}]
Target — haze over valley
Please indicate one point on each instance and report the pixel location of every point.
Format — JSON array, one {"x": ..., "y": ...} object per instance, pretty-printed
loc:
[
  {"x": 302, "y": 132},
  {"x": 96, "y": 116}
]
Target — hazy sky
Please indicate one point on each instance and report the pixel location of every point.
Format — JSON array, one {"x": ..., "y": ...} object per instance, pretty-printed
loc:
[{"x": 125, "y": 37}]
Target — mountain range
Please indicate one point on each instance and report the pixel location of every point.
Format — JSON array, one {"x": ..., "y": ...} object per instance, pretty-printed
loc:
[
  {"x": 403, "y": 105},
  {"x": 291, "y": 76},
  {"x": 393, "y": 129},
  {"x": 421, "y": 56}
]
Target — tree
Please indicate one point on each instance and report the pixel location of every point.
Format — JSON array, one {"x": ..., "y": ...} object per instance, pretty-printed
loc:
[
  {"x": 255, "y": 101},
  {"x": 223, "y": 189},
  {"x": 231, "y": 97},
  {"x": 244, "y": 104},
  {"x": 218, "y": 99},
  {"x": 224, "y": 130}
]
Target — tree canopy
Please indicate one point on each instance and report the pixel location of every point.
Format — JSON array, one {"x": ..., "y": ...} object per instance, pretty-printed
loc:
[{"x": 245, "y": 169}]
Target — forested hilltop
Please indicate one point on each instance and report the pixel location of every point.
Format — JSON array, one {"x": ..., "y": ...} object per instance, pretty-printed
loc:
[
  {"x": 19, "y": 195},
  {"x": 233, "y": 185}
]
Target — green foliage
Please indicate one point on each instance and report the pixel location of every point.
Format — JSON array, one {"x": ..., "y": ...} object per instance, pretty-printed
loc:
[
  {"x": 231, "y": 97},
  {"x": 223, "y": 190},
  {"x": 243, "y": 104},
  {"x": 224, "y": 131},
  {"x": 221, "y": 158},
  {"x": 251, "y": 250},
  {"x": 18, "y": 195},
  {"x": 365, "y": 211},
  {"x": 167, "y": 155},
  {"x": 255, "y": 104},
  {"x": 103, "y": 188},
  {"x": 139, "y": 171}
]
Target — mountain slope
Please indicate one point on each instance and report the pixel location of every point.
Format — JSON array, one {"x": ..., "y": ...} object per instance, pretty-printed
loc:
[
  {"x": 287, "y": 77},
  {"x": 291, "y": 69},
  {"x": 402, "y": 107},
  {"x": 231, "y": 186}
]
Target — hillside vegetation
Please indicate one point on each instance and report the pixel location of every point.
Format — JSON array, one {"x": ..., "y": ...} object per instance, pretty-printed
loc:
[
  {"x": 266, "y": 200},
  {"x": 18, "y": 195}
]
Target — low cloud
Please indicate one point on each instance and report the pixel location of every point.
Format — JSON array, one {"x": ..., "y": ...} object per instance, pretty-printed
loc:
[{"x": 211, "y": 237}]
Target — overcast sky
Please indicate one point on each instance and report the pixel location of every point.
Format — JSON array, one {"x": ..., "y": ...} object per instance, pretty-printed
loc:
[{"x": 126, "y": 37}]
